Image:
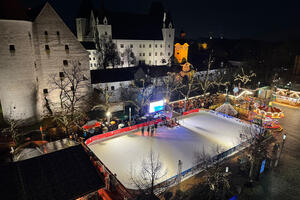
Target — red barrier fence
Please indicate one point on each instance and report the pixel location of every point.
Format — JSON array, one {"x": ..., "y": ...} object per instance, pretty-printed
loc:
[
  {"x": 191, "y": 111},
  {"x": 119, "y": 131}
]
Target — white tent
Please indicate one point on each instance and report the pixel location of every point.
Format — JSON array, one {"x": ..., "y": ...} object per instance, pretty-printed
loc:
[{"x": 227, "y": 109}]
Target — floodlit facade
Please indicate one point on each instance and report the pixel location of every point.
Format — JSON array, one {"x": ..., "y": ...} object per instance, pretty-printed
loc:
[
  {"x": 150, "y": 37},
  {"x": 31, "y": 50}
]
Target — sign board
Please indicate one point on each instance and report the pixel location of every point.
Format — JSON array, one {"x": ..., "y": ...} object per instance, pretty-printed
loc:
[{"x": 156, "y": 106}]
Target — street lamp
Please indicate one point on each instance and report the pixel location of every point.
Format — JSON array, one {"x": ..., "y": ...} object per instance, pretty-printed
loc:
[{"x": 108, "y": 114}]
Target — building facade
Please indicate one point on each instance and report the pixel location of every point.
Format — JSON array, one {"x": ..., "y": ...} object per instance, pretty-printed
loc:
[
  {"x": 148, "y": 37},
  {"x": 31, "y": 51}
]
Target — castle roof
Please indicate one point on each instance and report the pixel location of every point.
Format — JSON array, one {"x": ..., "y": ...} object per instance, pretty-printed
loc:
[
  {"x": 127, "y": 73},
  {"x": 64, "y": 174}
]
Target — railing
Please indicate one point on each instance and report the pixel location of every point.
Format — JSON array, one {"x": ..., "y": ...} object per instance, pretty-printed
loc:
[
  {"x": 120, "y": 188},
  {"x": 120, "y": 131}
]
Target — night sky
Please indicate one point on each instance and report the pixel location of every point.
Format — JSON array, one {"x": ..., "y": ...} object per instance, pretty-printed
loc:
[{"x": 257, "y": 19}]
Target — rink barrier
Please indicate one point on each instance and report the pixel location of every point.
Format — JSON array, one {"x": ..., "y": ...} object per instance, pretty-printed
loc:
[{"x": 120, "y": 131}]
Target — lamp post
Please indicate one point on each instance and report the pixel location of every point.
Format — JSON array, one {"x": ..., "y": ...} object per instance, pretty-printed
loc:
[
  {"x": 129, "y": 114},
  {"x": 280, "y": 150}
]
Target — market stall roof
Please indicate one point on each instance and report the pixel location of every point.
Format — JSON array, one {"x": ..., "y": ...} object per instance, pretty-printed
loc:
[
  {"x": 227, "y": 109},
  {"x": 64, "y": 174}
]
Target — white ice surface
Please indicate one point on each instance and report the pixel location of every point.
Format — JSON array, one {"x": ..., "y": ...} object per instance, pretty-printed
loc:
[{"x": 124, "y": 153}]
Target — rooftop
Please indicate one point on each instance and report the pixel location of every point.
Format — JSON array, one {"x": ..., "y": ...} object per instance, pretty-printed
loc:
[{"x": 64, "y": 174}]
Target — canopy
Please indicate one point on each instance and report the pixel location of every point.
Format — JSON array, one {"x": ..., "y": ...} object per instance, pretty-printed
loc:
[{"x": 227, "y": 109}]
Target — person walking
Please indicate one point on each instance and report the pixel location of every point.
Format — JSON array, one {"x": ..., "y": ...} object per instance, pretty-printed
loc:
[{"x": 155, "y": 127}]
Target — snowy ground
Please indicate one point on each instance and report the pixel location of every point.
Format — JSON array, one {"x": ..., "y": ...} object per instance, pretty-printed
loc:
[{"x": 126, "y": 153}]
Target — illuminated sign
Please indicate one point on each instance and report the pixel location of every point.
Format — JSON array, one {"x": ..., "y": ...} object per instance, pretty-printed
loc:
[
  {"x": 156, "y": 106},
  {"x": 262, "y": 168}
]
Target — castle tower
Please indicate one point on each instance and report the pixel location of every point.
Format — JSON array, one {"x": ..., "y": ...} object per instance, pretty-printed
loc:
[
  {"x": 82, "y": 20},
  {"x": 181, "y": 48},
  {"x": 168, "y": 32}
]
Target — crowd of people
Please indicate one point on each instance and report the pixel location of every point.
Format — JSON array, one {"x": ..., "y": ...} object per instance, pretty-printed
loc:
[{"x": 197, "y": 102}]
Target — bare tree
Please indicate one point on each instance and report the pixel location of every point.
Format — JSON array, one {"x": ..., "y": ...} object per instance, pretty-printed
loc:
[
  {"x": 244, "y": 78},
  {"x": 107, "y": 52},
  {"x": 254, "y": 137},
  {"x": 216, "y": 177},
  {"x": 106, "y": 94},
  {"x": 73, "y": 88},
  {"x": 171, "y": 84},
  {"x": 129, "y": 57},
  {"x": 188, "y": 85},
  {"x": 148, "y": 175},
  {"x": 208, "y": 81}
]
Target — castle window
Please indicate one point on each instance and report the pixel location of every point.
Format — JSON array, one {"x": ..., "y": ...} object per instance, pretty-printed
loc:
[
  {"x": 169, "y": 46},
  {"x": 131, "y": 46},
  {"x": 47, "y": 48},
  {"x": 94, "y": 64},
  {"x": 156, "y": 46},
  {"x": 161, "y": 53},
  {"x": 72, "y": 88},
  {"x": 122, "y": 62},
  {"x": 140, "y": 46},
  {"x": 149, "y": 45},
  {"x": 169, "y": 54},
  {"x": 143, "y": 45},
  {"x": 161, "y": 46},
  {"x": 67, "y": 47},
  {"x": 29, "y": 35},
  {"x": 45, "y": 91},
  {"x": 143, "y": 54},
  {"x": 122, "y": 54},
  {"x": 155, "y": 53},
  {"x": 149, "y": 54},
  {"x": 90, "y": 58},
  {"x": 46, "y": 33},
  {"x": 61, "y": 75},
  {"x": 122, "y": 45},
  {"x": 112, "y": 87},
  {"x": 105, "y": 33},
  {"x": 12, "y": 47},
  {"x": 65, "y": 62},
  {"x": 169, "y": 35},
  {"x": 140, "y": 54},
  {"x": 91, "y": 65},
  {"x": 57, "y": 33},
  {"x": 94, "y": 58},
  {"x": 149, "y": 62}
]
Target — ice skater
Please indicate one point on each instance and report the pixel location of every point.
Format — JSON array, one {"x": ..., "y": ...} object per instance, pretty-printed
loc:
[
  {"x": 148, "y": 130},
  {"x": 155, "y": 127},
  {"x": 152, "y": 131},
  {"x": 143, "y": 130}
]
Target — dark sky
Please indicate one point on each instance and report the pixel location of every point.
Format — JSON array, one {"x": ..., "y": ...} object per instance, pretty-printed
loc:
[{"x": 258, "y": 19}]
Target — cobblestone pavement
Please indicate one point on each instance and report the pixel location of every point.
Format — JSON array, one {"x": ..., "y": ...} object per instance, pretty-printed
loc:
[{"x": 284, "y": 181}]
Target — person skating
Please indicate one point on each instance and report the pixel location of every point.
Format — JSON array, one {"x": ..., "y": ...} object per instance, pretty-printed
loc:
[
  {"x": 148, "y": 130},
  {"x": 143, "y": 129},
  {"x": 152, "y": 130},
  {"x": 155, "y": 127}
]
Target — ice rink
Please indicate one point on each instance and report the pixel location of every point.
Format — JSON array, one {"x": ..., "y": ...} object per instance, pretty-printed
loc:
[{"x": 124, "y": 153}]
